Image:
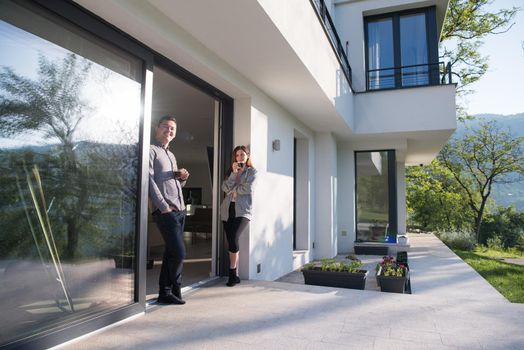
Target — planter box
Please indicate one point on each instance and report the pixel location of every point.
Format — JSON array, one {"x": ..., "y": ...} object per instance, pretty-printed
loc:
[
  {"x": 392, "y": 284},
  {"x": 371, "y": 250},
  {"x": 124, "y": 261},
  {"x": 353, "y": 280}
]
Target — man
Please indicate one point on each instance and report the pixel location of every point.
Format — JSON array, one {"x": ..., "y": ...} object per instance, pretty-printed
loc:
[{"x": 165, "y": 191}]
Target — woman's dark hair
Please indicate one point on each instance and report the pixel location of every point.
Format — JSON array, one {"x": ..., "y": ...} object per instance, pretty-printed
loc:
[{"x": 233, "y": 158}]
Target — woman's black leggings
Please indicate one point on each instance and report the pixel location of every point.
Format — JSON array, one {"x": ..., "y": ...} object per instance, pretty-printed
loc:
[{"x": 234, "y": 227}]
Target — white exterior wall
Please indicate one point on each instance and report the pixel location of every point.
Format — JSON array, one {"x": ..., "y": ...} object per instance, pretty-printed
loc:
[
  {"x": 319, "y": 59},
  {"x": 326, "y": 196},
  {"x": 401, "y": 198},
  {"x": 346, "y": 197},
  {"x": 271, "y": 229},
  {"x": 406, "y": 110},
  {"x": 300, "y": 90}
]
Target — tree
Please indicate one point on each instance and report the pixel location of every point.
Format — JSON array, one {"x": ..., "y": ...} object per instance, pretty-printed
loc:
[
  {"x": 467, "y": 23},
  {"x": 53, "y": 105},
  {"x": 434, "y": 199},
  {"x": 505, "y": 223},
  {"x": 482, "y": 157}
]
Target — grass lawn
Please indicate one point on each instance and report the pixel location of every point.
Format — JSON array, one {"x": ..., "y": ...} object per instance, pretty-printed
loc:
[{"x": 508, "y": 279}]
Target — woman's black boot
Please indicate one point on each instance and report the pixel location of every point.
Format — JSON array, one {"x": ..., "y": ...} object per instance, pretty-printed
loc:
[{"x": 233, "y": 278}]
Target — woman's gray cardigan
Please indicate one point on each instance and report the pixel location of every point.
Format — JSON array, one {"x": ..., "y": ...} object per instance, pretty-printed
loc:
[{"x": 244, "y": 189}]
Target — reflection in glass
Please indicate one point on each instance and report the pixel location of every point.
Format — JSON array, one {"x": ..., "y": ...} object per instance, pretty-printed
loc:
[
  {"x": 381, "y": 54},
  {"x": 68, "y": 158},
  {"x": 414, "y": 50},
  {"x": 372, "y": 196}
]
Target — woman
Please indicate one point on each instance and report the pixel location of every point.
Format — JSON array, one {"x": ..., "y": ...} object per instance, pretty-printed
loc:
[{"x": 235, "y": 211}]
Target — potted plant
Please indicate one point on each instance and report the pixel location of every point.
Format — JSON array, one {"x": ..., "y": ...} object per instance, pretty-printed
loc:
[
  {"x": 123, "y": 252},
  {"x": 393, "y": 277},
  {"x": 331, "y": 273},
  {"x": 386, "y": 261}
]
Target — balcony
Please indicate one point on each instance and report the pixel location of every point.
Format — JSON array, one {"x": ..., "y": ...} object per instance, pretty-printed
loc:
[{"x": 409, "y": 76}]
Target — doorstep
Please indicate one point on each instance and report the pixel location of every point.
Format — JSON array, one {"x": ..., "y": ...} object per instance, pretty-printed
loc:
[{"x": 380, "y": 248}]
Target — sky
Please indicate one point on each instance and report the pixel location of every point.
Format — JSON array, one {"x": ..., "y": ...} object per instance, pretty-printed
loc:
[
  {"x": 115, "y": 118},
  {"x": 500, "y": 90}
]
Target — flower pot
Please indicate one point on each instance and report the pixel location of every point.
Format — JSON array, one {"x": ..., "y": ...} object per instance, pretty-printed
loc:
[
  {"x": 124, "y": 261},
  {"x": 392, "y": 284},
  {"x": 353, "y": 280},
  {"x": 402, "y": 240}
]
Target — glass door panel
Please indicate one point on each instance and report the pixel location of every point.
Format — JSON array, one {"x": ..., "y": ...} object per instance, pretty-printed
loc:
[
  {"x": 70, "y": 107},
  {"x": 414, "y": 50},
  {"x": 372, "y": 197},
  {"x": 380, "y": 54}
]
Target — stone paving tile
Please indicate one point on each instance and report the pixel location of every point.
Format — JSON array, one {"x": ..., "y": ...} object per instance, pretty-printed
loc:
[
  {"x": 400, "y": 344},
  {"x": 349, "y": 340}
]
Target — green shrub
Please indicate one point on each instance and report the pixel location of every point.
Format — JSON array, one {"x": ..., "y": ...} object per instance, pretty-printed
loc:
[
  {"x": 458, "y": 240},
  {"x": 520, "y": 243},
  {"x": 495, "y": 243},
  {"x": 506, "y": 223}
]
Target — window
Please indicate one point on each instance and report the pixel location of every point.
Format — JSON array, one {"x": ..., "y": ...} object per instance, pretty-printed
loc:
[
  {"x": 401, "y": 49},
  {"x": 376, "y": 211},
  {"x": 69, "y": 132}
]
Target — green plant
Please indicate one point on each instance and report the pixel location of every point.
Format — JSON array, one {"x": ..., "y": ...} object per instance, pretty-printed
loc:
[
  {"x": 520, "y": 243},
  {"x": 386, "y": 261},
  {"x": 508, "y": 279},
  {"x": 494, "y": 242},
  {"x": 334, "y": 266},
  {"x": 458, "y": 240},
  {"x": 394, "y": 270},
  {"x": 309, "y": 266}
]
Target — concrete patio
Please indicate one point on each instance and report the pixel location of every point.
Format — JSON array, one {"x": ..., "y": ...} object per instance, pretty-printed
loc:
[{"x": 451, "y": 307}]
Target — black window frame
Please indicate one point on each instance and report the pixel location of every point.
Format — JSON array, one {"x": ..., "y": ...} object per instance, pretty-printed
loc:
[{"x": 431, "y": 40}]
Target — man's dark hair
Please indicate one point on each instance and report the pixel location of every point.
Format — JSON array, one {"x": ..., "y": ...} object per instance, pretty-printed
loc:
[{"x": 166, "y": 117}]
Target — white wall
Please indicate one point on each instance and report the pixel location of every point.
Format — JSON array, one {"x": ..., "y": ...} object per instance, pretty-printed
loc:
[
  {"x": 326, "y": 195},
  {"x": 346, "y": 197},
  {"x": 299, "y": 25},
  {"x": 401, "y": 197},
  {"x": 271, "y": 229},
  {"x": 405, "y": 110}
]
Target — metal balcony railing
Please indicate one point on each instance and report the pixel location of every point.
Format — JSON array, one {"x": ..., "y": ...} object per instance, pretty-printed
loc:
[
  {"x": 329, "y": 28},
  {"x": 409, "y": 76}
]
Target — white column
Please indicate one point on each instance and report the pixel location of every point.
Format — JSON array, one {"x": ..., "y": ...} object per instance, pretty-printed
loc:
[
  {"x": 401, "y": 197},
  {"x": 242, "y": 136},
  {"x": 326, "y": 189},
  {"x": 346, "y": 198}
]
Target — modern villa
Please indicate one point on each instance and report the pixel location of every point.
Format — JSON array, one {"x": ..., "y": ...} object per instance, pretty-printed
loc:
[{"x": 335, "y": 98}]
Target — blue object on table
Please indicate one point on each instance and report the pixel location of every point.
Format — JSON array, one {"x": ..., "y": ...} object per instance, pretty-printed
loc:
[{"x": 391, "y": 239}]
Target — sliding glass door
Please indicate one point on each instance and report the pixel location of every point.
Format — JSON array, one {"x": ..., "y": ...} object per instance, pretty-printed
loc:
[{"x": 70, "y": 107}]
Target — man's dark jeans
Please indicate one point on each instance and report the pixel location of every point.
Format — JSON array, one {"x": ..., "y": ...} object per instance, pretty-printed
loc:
[{"x": 171, "y": 226}]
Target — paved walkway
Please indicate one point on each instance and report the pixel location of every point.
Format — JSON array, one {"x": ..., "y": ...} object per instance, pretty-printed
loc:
[
  {"x": 452, "y": 308},
  {"x": 514, "y": 261}
]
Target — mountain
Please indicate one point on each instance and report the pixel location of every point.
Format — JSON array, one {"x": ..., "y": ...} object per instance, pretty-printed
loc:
[
  {"x": 513, "y": 122},
  {"x": 503, "y": 194}
]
